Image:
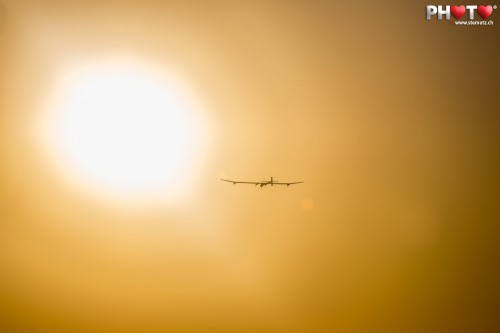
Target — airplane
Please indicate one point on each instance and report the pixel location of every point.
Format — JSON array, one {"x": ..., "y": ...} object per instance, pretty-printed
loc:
[{"x": 263, "y": 183}]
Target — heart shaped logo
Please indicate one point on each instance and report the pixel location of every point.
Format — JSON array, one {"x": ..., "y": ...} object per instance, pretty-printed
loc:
[
  {"x": 457, "y": 11},
  {"x": 484, "y": 11}
]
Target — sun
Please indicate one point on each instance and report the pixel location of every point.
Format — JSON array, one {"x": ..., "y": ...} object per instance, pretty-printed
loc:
[{"x": 126, "y": 131}]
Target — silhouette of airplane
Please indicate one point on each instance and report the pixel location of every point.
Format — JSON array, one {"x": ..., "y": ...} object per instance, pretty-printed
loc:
[{"x": 263, "y": 183}]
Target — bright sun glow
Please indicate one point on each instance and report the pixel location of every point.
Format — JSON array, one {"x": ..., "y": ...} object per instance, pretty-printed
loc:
[{"x": 127, "y": 131}]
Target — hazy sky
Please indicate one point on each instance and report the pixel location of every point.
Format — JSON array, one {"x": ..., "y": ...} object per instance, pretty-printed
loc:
[{"x": 392, "y": 121}]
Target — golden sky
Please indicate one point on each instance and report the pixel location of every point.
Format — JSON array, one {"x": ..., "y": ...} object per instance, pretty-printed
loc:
[{"x": 390, "y": 120}]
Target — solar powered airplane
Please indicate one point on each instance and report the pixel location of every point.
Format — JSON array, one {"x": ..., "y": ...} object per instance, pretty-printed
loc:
[{"x": 263, "y": 183}]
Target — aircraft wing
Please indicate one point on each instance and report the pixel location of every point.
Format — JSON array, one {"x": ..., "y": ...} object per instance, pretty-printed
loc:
[
  {"x": 287, "y": 183},
  {"x": 238, "y": 182}
]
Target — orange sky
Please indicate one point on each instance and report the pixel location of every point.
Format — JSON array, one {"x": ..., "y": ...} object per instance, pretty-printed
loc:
[{"x": 392, "y": 122}]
